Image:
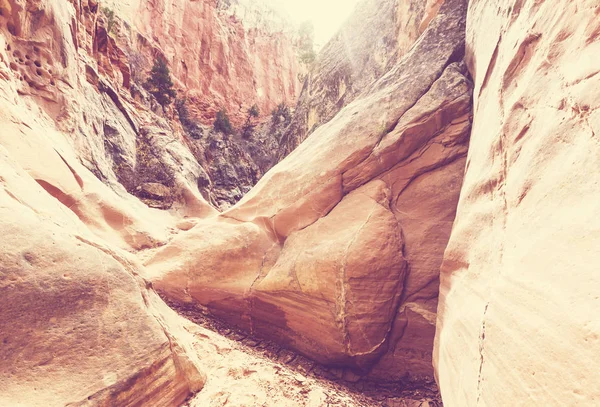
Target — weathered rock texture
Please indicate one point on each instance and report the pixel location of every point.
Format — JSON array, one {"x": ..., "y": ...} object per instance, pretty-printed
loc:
[
  {"x": 517, "y": 318},
  {"x": 336, "y": 251},
  {"x": 77, "y": 325},
  {"x": 220, "y": 57},
  {"x": 234, "y": 163},
  {"x": 371, "y": 42}
]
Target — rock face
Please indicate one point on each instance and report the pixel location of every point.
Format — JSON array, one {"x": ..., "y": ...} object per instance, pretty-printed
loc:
[
  {"x": 78, "y": 326},
  {"x": 517, "y": 319},
  {"x": 336, "y": 251},
  {"x": 234, "y": 163},
  {"x": 89, "y": 165},
  {"x": 371, "y": 42},
  {"x": 221, "y": 56}
]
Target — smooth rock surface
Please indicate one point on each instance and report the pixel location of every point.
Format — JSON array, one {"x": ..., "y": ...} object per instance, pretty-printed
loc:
[
  {"x": 517, "y": 317},
  {"x": 336, "y": 251},
  {"x": 77, "y": 325}
]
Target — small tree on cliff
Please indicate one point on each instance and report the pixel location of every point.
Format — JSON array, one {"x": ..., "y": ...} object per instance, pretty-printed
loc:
[
  {"x": 282, "y": 111},
  {"x": 222, "y": 122},
  {"x": 110, "y": 19},
  {"x": 248, "y": 129},
  {"x": 160, "y": 84},
  {"x": 306, "y": 42}
]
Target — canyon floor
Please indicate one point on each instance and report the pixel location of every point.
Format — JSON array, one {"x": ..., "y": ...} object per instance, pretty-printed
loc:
[{"x": 244, "y": 371}]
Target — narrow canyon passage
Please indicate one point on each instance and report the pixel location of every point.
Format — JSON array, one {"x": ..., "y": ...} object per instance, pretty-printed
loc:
[
  {"x": 333, "y": 256},
  {"x": 202, "y": 207}
]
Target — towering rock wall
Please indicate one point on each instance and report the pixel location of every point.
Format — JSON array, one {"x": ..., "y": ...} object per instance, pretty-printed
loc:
[
  {"x": 336, "y": 251},
  {"x": 221, "y": 56},
  {"x": 78, "y": 324},
  {"x": 517, "y": 318},
  {"x": 376, "y": 36}
]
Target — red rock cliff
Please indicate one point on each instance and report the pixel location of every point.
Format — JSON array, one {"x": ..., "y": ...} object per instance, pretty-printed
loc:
[{"x": 220, "y": 59}]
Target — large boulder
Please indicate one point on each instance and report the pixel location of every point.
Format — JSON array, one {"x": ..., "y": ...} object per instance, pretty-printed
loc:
[
  {"x": 336, "y": 251},
  {"x": 77, "y": 326},
  {"x": 517, "y": 317}
]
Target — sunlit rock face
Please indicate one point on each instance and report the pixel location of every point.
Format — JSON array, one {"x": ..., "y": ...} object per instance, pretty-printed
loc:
[
  {"x": 517, "y": 317},
  {"x": 336, "y": 251},
  {"x": 222, "y": 54},
  {"x": 78, "y": 326},
  {"x": 376, "y": 36}
]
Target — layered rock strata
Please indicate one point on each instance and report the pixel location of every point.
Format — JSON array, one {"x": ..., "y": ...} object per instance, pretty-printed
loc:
[{"x": 220, "y": 56}]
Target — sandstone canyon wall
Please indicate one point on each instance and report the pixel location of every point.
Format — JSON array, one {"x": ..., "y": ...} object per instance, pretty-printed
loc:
[
  {"x": 376, "y": 36},
  {"x": 107, "y": 204},
  {"x": 517, "y": 318},
  {"x": 79, "y": 326},
  {"x": 221, "y": 56},
  {"x": 336, "y": 251}
]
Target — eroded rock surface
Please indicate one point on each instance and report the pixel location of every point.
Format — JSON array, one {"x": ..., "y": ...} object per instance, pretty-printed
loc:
[
  {"x": 373, "y": 40},
  {"x": 78, "y": 326},
  {"x": 517, "y": 320},
  {"x": 336, "y": 251},
  {"x": 222, "y": 54}
]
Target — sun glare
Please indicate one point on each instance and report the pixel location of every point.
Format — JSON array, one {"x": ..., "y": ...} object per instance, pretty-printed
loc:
[{"x": 327, "y": 16}]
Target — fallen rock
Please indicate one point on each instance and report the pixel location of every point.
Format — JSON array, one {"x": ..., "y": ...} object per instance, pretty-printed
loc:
[
  {"x": 336, "y": 251},
  {"x": 76, "y": 326}
]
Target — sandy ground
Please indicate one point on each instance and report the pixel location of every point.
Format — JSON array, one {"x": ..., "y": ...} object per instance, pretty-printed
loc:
[
  {"x": 239, "y": 376},
  {"x": 242, "y": 371}
]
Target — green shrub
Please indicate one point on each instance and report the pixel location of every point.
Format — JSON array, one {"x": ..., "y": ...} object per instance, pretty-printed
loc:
[
  {"x": 222, "y": 122},
  {"x": 160, "y": 84},
  {"x": 248, "y": 129},
  {"x": 110, "y": 19},
  {"x": 306, "y": 45},
  {"x": 253, "y": 111},
  {"x": 308, "y": 57},
  {"x": 182, "y": 112}
]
